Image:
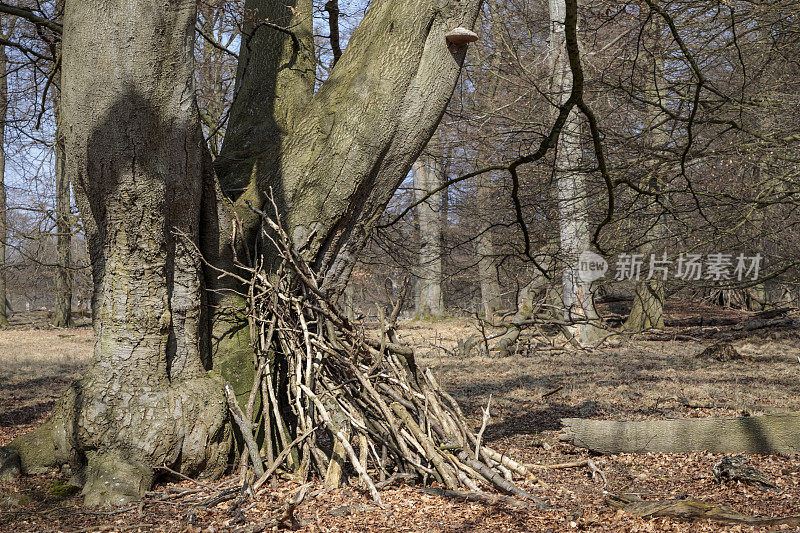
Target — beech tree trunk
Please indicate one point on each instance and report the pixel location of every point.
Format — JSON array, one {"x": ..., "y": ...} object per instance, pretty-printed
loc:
[
  {"x": 571, "y": 189},
  {"x": 62, "y": 309},
  {"x": 484, "y": 244},
  {"x": 135, "y": 151},
  {"x": 648, "y": 299},
  {"x": 429, "y": 282},
  {"x": 3, "y": 201},
  {"x": 148, "y": 195},
  {"x": 487, "y": 270}
]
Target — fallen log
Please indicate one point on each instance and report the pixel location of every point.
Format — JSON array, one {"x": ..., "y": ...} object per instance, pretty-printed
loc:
[
  {"x": 773, "y": 434},
  {"x": 694, "y": 510}
]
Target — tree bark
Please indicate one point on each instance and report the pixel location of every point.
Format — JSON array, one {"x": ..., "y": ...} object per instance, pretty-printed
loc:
[
  {"x": 648, "y": 299},
  {"x": 331, "y": 160},
  {"x": 144, "y": 184},
  {"x": 429, "y": 282},
  {"x": 135, "y": 152},
  {"x": 62, "y": 309},
  {"x": 571, "y": 187},
  {"x": 484, "y": 245},
  {"x": 3, "y": 200},
  {"x": 487, "y": 270}
]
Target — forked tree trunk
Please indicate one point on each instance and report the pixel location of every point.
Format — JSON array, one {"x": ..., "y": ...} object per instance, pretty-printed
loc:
[
  {"x": 571, "y": 188},
  {"x": 429, "y": 220},
  {"x": 332, "y": 162},
  {"x": 143, "y": 183},
  {"x": 3, "y": 200}
]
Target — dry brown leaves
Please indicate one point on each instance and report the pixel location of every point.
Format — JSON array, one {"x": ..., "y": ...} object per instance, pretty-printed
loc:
[{"x": 632, "y": 379}]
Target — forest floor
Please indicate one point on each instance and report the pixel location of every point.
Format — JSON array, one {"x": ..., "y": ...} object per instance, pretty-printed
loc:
[{"x": 647, "y": 376}]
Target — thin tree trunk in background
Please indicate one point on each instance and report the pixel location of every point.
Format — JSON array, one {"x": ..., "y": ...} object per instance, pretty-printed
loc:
[
  {"x": 484, "y": 245},
  {"x": 648, "y": 299},
  {"x": 429, "y": 284},
  {"x": 62, "y": 310},
  {"x": 487, "y": 271},
  {"x": 571, "y": 186},
  {"x": 3, "y": 206}
]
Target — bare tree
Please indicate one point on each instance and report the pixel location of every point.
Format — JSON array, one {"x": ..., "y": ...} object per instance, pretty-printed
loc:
[
  {"x": 571, "y": 190},
  {"x": 148, "y": 196},
  {"x": 648, "y": 299},
  {"x": 3, "y": 200},
  {"x": 427, "y": 177}
]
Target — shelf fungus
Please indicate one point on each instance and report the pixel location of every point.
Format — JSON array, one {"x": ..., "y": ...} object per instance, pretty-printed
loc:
[{"x": 461, "y": 36}]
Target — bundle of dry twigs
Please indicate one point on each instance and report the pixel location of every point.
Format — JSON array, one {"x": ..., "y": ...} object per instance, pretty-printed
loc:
[{"x": 336, "y": 401}]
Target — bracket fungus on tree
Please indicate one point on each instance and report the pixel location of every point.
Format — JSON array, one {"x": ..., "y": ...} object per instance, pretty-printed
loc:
[{"x": 461, "y": 36}]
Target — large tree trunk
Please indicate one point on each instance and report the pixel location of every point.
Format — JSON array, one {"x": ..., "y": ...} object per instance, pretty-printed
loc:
[
  {"x": 135, "y": 152},
  {"x": 3, "y": 201},
  {"x": 141, "y": 171},
  {"x": 570, "y": 184},
  {"x": 331, "y": 161},
  {"x": 429, "y": 282}
]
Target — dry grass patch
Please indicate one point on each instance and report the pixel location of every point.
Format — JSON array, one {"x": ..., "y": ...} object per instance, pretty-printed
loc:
[{"x": 35, "y": 367}]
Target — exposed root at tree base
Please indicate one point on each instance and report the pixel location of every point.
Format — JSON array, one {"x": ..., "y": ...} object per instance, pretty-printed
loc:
[{"x": 694, "y": 510}]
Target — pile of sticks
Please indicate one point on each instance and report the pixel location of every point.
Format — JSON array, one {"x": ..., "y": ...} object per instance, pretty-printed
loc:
[{"x": 336, "y": 402}]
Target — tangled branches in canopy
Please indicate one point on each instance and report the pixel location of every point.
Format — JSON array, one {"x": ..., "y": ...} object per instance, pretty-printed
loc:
[{"x": 336, "y": 401}]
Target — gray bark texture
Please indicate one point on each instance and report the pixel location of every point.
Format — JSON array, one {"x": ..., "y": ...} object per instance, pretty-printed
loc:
[
  {"x": 148, "y": 195},
  {"x": 774, "y": 434},
  {"x": 135, "y": 152},
  {"x": 3, "y": 201},
  {"x": 429, "y": 283},
  {"x": 62, "y": 310},
  {"x": 571, "y": 189},
  {"x": 330, "y": 160},
  {"x": 484, "y": 247},
  {"x": 648, "y": 299}
]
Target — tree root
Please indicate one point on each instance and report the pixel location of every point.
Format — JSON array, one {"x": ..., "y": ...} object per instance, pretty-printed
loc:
[
  {"x": 181, "y": 426},
  {"x": 694, "y": 510}
]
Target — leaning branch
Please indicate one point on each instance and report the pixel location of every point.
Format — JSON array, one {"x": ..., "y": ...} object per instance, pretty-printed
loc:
[
  {"x": 24, "y": 49},
  {"x": 32, "y": 17},
  {"x": 213, "y": 42}
]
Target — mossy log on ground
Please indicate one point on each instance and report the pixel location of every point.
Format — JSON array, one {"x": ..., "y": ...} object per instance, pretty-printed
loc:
[{"x": 775, "y": 434}]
